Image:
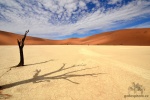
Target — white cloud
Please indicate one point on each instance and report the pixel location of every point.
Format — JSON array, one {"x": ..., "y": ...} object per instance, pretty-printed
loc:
[
  {"x": 114, "y": 1},
  {"x": 82, "y": 4},
  {"x": 11, "y": 3},
  {"x": 38, "y": 19},
  {"x": 70, "y": 8}
]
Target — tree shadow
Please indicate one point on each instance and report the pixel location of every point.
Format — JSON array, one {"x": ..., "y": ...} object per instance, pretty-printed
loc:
[
  {"x": 30, "y": 64},
  {"x": 39, "y": 62},
  {"x": 42, "y": 78},
  {"x": 24, "y": 65}
]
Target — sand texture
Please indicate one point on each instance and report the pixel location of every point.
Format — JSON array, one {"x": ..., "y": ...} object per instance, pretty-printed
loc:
[{"x": 75, "y": 72}]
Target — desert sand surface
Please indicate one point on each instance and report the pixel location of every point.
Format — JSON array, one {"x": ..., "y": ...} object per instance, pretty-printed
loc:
[
  {"x": 74, "y": 72},
  {"x": 137, "y": 36}
]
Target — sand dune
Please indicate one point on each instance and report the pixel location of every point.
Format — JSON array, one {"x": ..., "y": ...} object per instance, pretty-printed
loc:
[
  {"x": 8, "y": 38},
  {"x": 122, "y": 37},
  {"x": 119, "y": 37}
]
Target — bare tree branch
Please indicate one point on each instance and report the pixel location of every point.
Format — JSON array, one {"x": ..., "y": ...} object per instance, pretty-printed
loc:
[{"x": 21, "y": 45}]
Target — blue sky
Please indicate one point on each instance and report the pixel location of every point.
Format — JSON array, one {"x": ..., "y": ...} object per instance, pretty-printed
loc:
[{"x": 60, "y": 19}]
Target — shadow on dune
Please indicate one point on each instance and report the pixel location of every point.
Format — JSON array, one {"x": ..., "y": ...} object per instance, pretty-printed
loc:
[{"x": 42, "y": 78}]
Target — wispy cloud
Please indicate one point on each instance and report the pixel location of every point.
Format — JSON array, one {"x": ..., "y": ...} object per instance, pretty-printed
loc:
[{"x": 56, "y": 18}]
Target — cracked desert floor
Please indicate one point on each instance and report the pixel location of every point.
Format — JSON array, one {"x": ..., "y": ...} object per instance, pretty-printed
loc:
[{"x": 75, "y": 72}]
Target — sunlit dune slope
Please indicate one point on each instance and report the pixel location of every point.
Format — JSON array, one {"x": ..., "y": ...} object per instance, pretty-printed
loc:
[{"x": 119, "y": 37}]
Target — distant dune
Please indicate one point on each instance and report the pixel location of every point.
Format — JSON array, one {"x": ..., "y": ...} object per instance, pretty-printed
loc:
[
  {"x": 7, "y": 38},
  {"x": 120, "y": 37}
]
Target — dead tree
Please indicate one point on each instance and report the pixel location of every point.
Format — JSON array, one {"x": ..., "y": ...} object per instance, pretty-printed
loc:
[{"x": 21, "y": 45}]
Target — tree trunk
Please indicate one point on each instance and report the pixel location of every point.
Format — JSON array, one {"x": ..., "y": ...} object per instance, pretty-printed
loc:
[
  {"x": 21, "y": 45},
  {"x": 21, "y": 57}
]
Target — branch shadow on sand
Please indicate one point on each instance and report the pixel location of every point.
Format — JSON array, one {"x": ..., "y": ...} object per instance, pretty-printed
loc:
[
  {"x": 30, "y": 64},
  {"x": 24, "y": 65},
  {"x": 39, "y": 62},
  {"x": 42, "y": 78}
]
